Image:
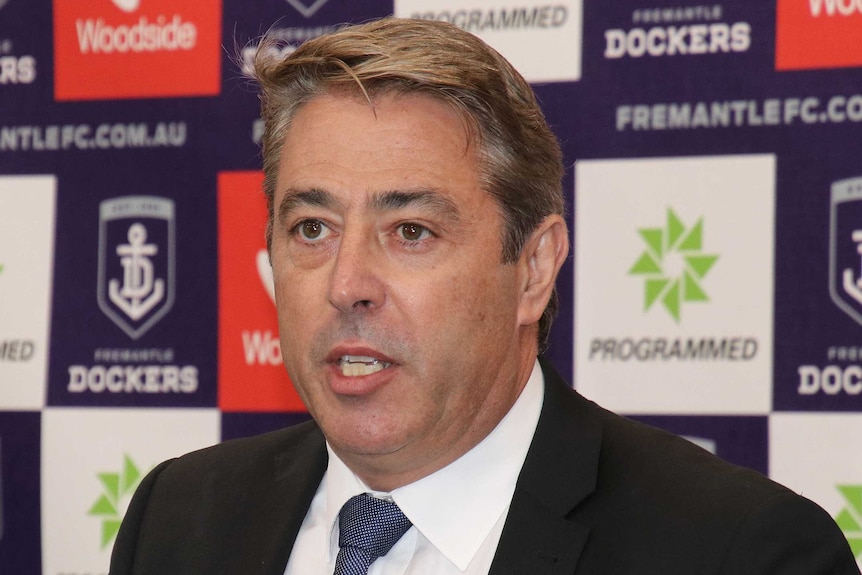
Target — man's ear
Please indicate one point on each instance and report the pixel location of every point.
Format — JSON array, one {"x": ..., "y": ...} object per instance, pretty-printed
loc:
[{"x": 540, "y": 262}]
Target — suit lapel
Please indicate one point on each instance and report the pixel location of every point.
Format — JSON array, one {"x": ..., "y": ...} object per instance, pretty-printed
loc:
[
  {"x": 278, "y": 504},
  {"x": 559, "y": 473}
]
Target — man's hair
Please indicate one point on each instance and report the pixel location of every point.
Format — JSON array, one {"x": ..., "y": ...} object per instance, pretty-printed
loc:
[{"x": 519, "y": 158}]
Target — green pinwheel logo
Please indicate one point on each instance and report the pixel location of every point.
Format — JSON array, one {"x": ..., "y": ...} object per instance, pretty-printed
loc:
[
  {"x": 849, "y": 519},
  {"x": 673, "y": 265},
  {"x": 117, "y": 487}
]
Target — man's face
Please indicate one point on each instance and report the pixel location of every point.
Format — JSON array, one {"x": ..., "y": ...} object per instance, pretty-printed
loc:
[{"x": 400, "y": 326}]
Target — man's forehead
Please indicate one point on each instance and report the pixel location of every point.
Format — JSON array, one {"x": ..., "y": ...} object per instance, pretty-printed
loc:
[
  {"x": 370, "y": 101},
  {"x": 408, "y": 149}
]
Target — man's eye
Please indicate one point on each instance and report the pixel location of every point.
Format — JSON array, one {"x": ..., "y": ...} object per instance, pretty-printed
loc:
[
  {"x": 311, "y": 230},
  {"x": 413, "y": 232}
]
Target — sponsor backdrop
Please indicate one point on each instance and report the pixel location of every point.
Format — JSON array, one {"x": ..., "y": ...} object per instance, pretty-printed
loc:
[{"x": 715, "y": 195}]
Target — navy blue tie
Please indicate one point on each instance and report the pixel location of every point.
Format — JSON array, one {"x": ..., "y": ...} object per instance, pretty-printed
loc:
[{"x": 368, "y": 528}]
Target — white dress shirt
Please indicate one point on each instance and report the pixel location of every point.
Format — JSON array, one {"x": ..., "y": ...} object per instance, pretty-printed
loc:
[{"x": 457, "y": 512}]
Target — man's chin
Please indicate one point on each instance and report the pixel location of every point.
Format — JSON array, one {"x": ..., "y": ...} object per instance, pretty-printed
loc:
[{"x": 358, "y": 444}]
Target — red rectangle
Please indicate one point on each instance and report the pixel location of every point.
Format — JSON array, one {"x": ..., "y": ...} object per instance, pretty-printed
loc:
[
  {"x": 251, "y": 376},
  {"x": 811, "y": 34},
  {"x": 109, "y": 49}
]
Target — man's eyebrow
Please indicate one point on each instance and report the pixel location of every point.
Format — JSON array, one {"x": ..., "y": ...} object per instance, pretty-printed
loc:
[
  {"x": 391, "y": 200},
  {"x": 429, "y": 199},
  {"x": 294, "y": 198}
]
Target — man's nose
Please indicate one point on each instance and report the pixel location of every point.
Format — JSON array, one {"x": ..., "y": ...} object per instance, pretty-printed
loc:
[{"x": 356, "y": 282}]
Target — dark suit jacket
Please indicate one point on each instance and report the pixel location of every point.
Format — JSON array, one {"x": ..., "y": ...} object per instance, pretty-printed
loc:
[{"x": 598, "y": 494}]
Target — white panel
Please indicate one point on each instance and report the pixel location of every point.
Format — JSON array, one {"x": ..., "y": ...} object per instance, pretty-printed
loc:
[
  {"x": 27, "y": 205},
  {"x": 79, "y": 445},
  {"x": 524, "y": 32},
  {"x": 817, "y": 455},
  {"x": 712, "y": 356}
]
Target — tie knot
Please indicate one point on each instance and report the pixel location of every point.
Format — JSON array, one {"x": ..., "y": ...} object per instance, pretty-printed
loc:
[{"x": 369, "y": 527}]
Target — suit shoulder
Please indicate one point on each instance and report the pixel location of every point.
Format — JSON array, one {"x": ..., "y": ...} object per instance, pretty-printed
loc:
[
  {"x": 609, "y": 455},
  {"x": 660, "y": 460},
  {"x": 238, "y": 491},
  {"x": 652, "y": 502},
  {"x": 652, "y": 469},
  {"x": 248, "y": 455}
]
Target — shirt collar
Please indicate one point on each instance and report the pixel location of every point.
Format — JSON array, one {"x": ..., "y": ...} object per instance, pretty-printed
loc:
[{"x": 454, "y": 514}]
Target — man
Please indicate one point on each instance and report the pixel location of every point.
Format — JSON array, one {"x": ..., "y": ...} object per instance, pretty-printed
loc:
[{"x": 415, "y": 234}]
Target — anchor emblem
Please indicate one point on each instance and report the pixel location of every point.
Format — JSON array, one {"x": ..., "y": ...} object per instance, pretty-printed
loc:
[
  {"x": 136, "y": 261},
  {"x": 139, "y": 292}
]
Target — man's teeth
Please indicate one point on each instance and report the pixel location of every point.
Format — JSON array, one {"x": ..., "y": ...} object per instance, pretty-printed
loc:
[{"x": 354, "y": 365}]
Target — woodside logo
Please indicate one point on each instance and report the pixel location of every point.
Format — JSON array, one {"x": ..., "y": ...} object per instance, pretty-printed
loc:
[
  {"x": 815, "y": 34},
  {"x": 136, "y": 48},
  {"x": 94, "y": 35}
]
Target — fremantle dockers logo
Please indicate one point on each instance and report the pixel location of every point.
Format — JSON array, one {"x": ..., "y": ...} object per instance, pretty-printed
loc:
[
  {"x": 136, "y": 261},
  {"x": 845, "y": 247}
]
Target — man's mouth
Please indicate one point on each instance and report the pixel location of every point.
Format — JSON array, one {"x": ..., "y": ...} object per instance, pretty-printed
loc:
[{"x": 357, "y": 365}]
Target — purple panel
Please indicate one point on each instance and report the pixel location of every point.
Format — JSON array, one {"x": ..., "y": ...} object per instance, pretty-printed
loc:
[
  {"x": 244, "y": 23},
  {"x": 20, "y": 515},
  {"x": 151, "y": 343},
  {"x": 818, "y": 332},
  {"x": 26, "y": 59},
  {"x": 612, "y": 79}
]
